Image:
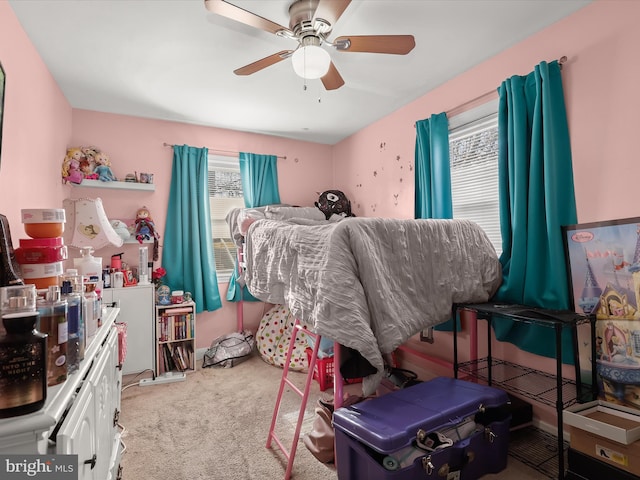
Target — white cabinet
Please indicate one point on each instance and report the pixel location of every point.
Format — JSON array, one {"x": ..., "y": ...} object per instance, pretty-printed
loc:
[
  {"x": 80, "y": 414},
  {"x": 137, "y": 305}
]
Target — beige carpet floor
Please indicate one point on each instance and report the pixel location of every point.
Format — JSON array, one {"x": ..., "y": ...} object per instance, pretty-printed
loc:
[{"x": 215, "y": 424}]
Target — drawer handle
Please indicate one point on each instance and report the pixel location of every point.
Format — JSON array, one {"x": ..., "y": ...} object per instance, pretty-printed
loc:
[{"x": 91, "y": 461}]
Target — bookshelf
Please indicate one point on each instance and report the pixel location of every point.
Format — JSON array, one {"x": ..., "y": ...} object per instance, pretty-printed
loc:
[{"x": 175, "y": 338}]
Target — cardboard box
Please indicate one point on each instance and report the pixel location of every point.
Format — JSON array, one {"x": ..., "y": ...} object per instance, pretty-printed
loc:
[
  {"x": 608, "y": 420},
  {"x": 625, "y": 457}
]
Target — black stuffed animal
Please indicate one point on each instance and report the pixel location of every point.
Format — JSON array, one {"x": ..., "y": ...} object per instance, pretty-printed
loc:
[{"x": 334, "y": 202}]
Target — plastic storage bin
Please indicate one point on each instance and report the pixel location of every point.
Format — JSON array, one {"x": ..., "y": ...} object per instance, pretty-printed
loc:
[
  {"x": 323, "y": 372},
  {"x": 401, "y": 435}
]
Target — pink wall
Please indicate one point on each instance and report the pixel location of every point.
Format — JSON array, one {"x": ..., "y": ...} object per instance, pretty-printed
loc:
[
  {"x": 37, "y": 127},
  {"x": 602, "y": 97},
  {"x": 137, "y": 144}
]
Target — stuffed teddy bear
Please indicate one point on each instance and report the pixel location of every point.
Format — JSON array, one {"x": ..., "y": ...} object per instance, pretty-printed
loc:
[
  {"x": 146, "y": 229},
  {"x": 103, "y": 167},
  {"x": 71, "y": 166}
]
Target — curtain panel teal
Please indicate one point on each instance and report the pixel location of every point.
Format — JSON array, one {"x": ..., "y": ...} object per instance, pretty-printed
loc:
[
  {"x": 433, "y": 176},
  {"x": 188, "y": 241},
  {"x": 259, "y": 175},
  {"x": 433, "y": 170},
  {"x": 536, "y": 193}
]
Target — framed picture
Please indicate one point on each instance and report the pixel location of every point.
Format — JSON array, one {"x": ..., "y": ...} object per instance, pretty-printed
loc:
[
  {"x": 603, "y": 261},
  {"x": 2, "y": 83}
]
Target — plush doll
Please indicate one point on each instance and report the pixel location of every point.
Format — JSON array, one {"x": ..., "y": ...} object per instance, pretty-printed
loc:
[
  {"x": 103, "y": 167},
  {"x": 71, "y": 166},
  {"x": 146, "y": 229},
  {"x": 87, "y": 169}
]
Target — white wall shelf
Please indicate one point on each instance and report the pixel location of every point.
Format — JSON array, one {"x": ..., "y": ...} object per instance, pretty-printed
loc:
[
  {"x": 149, "y": 187},
  {"x": 132, "y": 239}
]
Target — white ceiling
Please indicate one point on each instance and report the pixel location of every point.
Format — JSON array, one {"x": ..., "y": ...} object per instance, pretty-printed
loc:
[{"x": 173, "y": 60}]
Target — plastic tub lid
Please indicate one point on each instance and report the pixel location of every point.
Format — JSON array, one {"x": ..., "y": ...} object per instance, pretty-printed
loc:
[{"x": 43, "y": 215}]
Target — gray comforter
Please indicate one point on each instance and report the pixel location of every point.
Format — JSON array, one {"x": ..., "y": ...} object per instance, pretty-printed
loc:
[{"x": 370, "y": 283}]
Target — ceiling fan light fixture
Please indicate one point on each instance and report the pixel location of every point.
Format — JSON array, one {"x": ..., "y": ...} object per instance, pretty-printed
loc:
[{"x": 311, "y": 62}]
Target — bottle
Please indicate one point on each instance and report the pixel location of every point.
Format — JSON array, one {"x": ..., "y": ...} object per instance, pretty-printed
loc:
[
  {"x": 77, "y": 288},
  {"x": 74, "y": 312},
  {"x": 91, "y": 310},
  {"x": 87, "y": 264},
  {"x": 53, "y": 322},
  {"x": 23, "y": 357}
]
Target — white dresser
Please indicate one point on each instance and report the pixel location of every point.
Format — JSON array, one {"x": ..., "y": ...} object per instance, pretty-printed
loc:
[{"x": 80, "y": 416}]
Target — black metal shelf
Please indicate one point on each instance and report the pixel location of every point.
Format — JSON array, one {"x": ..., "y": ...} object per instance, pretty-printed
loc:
[
  {"x": 520, "y": 380},
  {"x": 545, "y": 388}
]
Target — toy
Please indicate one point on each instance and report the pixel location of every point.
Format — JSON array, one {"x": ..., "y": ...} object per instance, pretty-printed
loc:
[
  {"x": 121, "y": 229},
  {"x": 146, "y": 229},
  {"x": 71, "y": 166},
  {"x": 87, "y": 169},
  {"x": 103, "y": 167}
]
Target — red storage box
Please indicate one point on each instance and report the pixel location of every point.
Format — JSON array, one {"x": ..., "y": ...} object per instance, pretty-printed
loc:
[{"x": 323, "y": 371}]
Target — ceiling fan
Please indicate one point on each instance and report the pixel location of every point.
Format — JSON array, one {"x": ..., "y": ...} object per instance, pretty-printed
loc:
[{"x": 310, "y": 23}]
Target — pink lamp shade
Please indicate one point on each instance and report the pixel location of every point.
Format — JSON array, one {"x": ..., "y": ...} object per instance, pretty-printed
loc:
[{"x": 88, "y": 225}]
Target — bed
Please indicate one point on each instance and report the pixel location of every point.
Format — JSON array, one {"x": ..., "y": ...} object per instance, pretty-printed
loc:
[{"x": 368, "y": 284}]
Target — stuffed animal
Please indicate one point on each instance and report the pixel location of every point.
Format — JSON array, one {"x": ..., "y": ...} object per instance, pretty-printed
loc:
[
  {"x": 334, "y": 202},
  {"x": 121, "y": 229},
  {"x": 103, "y": 167},
  {"x": 71, "y": 166},
  {"x": 146, "y": 229}
]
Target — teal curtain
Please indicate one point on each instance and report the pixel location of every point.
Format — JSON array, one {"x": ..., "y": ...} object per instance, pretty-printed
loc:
[
  {"x": 433, "y": 176},
  {"x": 433, "y": 173},
  {"x": 536, "y": 193},
  {"x": 259, "y": 175},
  {"x": 188, "y": 245}
]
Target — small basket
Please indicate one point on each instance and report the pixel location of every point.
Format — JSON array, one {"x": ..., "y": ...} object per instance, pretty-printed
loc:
[{"x": 324, "y": 370}]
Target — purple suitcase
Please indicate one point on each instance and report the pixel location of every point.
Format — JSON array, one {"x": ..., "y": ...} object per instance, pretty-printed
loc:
[{"x": 396, "y": 436}]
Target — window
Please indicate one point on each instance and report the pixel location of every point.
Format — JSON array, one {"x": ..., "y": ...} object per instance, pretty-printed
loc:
[
  {"x": 473, "y": 152},
  {"x": 225, "y": 194}
]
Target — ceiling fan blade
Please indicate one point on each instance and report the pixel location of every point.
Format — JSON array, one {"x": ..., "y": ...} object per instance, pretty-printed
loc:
[
  {"x": 331, "y": 10},
  {"x": 225, "y": 9},
  {"x": 393, "y": 44},
  {"x": 263, "y": 63},
  {"x": 332, "y": 80}
]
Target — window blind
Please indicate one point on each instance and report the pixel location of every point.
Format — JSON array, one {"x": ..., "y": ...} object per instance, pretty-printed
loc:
[{"x": 473, "y": 152}]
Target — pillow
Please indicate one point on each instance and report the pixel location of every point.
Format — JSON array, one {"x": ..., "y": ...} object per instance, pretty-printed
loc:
[{"x": 285, "y": 213}]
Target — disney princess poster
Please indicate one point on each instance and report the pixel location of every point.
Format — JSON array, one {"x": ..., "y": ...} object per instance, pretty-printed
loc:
[
  {"x": 604, "y": 264},
  {"x": 603, "y": 259}
]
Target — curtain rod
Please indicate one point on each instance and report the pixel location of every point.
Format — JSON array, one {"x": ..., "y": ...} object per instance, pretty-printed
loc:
[
  {"x": 485, "y": 97},
  {"x": 215, "y": 150}
]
